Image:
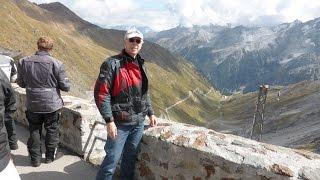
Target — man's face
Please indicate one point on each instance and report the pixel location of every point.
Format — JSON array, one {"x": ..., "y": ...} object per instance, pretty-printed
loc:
[{"x": 133, "y": 46}]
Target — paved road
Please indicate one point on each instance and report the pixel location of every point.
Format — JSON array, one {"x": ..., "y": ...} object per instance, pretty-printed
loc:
[{"x": 68, "y": 167}]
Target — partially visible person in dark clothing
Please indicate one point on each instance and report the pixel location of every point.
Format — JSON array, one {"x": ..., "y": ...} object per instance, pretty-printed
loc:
[
  {"x": 8, "y": 117},
  {"x": 7, "y": 104},
  {"x": 43, "y": 77}
]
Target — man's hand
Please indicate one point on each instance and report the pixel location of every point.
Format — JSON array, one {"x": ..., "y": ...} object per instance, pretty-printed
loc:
[
  {"x": 152, "y": 120},
  {"x": 112, "y": 130}
]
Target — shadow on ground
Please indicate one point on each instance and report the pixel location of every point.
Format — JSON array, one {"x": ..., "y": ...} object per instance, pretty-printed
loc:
[
  {"x": 67, "y": 167},
  {"x": 74, "y": 171}
]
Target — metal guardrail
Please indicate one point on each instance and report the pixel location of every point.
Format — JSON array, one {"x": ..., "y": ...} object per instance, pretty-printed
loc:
[{"x": 94, "y": 140}]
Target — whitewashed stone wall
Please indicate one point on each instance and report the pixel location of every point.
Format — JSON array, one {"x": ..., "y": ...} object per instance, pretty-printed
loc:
[{"x": 181, "y": 151}]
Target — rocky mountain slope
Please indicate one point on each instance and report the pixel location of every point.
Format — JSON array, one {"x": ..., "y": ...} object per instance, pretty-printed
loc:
[
  {"x": 242, "y": 58},
  {"x": 83, "y": 46}
]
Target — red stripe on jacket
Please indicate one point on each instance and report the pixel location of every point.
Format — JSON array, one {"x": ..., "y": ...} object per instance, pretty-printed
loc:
[
  {"x": 129, "y": 75},
  {"x": 103, "y": 91}
]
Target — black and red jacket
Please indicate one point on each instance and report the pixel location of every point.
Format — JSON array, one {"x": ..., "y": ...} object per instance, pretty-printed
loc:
[{"x": 121, "y": 90}]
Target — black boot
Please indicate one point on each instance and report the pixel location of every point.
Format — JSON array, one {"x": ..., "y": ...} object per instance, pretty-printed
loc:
[
  {"x": 35, "y": 163},
  {"x": 13, "y": 146},
  {"x": 50, "y": 155}
]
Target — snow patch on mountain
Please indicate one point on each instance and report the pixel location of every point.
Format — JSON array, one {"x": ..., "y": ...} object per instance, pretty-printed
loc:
[{"x": 290, "y": 58}]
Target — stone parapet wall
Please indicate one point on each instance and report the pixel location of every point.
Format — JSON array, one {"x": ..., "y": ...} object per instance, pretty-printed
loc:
[{"x": 180, "y": 151}]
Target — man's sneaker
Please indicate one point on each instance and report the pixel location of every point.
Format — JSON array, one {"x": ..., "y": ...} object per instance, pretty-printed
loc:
[{"x": 36, "y": 163}]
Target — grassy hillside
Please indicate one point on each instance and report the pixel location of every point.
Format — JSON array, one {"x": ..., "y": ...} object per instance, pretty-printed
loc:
[
  {"x": 80, "y": 55},
  {"x": 208, "y": 102},
  {"x": 83, "y": 47}
]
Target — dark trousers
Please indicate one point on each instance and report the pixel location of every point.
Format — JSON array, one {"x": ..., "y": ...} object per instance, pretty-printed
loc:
[
  {"x": 11, "y": 129},
  {"x": 51, "y": 124}
]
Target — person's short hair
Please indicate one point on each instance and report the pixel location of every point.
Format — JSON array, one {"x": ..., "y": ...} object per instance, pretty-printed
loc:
[
  {"x": 133, "y": 32},
  {"x": 45, "y": 43}
]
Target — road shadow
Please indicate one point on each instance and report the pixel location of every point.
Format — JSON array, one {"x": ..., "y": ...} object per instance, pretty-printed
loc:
[
  {"x": 47, "y": 175},
  {"x": 77, "y": 171},
  {"x": 20, "y": 160}
]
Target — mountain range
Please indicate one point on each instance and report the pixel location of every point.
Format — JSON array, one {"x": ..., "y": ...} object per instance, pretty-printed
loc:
[{"x": 242, "y": 58}]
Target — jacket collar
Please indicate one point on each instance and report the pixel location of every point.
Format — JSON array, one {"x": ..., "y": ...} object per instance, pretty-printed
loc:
[
  {"x": 42, "y": 53},
  {"x": 126, "y": 57}
]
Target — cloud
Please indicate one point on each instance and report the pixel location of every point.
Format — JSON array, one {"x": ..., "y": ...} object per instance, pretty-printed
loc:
[
  {"x": 109, "y": 13},
  {"x": 222, "y": 12},
  {"x": 246, "y": 12},
  {"x": 164, "y": 14}
]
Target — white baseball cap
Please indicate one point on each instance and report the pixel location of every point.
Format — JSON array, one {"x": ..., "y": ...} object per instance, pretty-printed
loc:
[{"x": 133, "y": 32}]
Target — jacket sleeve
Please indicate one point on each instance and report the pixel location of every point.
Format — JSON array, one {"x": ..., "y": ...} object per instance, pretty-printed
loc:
[
  {"x": 63, "y": 81},
  {"x": 149, "y": 106},
  {"x": 20, "y": 80},
  {"x": 9, "y": 95},
  {"x": 102, "y": 91}
]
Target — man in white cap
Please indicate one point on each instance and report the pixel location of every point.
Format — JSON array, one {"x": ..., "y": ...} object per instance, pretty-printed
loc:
[{"x": 121, "y": 95}]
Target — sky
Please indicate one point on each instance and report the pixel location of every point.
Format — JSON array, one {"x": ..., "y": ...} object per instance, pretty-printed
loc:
[{"x": 165, "y": 14}]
